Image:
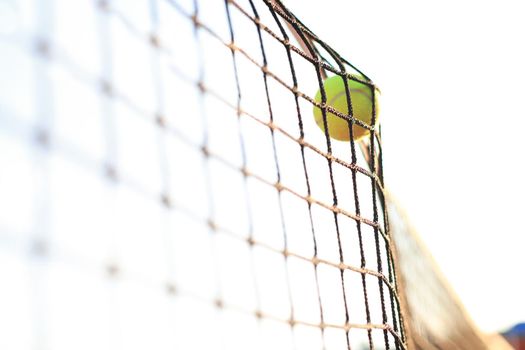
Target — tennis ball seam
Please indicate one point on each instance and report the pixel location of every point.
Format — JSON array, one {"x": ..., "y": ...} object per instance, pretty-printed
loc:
[
  {"x": 333, "y": 112},
  {"x": 336, "y": 97}
]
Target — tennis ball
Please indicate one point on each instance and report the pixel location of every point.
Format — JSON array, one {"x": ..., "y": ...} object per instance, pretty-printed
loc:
[{"x": 361, "y": 96}]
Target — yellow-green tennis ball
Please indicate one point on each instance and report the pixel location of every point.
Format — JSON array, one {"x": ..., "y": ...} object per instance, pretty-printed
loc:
[{"x": 361, "y": 96}]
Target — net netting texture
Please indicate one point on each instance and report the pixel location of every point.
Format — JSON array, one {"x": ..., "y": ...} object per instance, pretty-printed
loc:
[{"x": 164, "y": 184}]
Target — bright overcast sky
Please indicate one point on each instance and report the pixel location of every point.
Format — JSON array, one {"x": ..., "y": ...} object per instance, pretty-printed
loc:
[{"x": 451, "y": 75}]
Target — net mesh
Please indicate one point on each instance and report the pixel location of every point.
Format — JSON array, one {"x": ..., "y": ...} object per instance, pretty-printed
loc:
[{"x": 164, "y": 184}]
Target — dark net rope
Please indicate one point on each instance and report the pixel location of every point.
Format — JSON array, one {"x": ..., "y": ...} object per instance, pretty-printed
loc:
[
  {"x": 334, "y": 194},
  {"x": 294, "y": 23},
  {"x": 392, "y": 325}
]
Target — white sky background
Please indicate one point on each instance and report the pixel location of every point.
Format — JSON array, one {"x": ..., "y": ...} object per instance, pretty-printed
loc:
[{"x": 451, "y": 75}]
